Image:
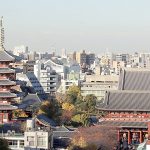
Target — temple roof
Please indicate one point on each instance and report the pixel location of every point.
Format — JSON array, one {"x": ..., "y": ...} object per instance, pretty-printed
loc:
[
  {"x": 43, "y": 119},
  {"x": 126, "y": 101},
  {"x": 6, "y": 70},
  {"x": 124, "y": 124},
  {"x": 134, "y": 79},
  {"x": 4, "y": 56},
  {"x": 8, "y": 107},
  {"x": 5, "y": 94},
  {"x": 7, "y": 82}
]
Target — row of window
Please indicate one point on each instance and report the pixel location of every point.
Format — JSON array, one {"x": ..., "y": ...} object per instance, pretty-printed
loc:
[{"x": 40, "y": 141}]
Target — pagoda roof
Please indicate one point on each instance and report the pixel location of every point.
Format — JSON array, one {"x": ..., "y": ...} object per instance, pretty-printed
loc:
[
  {"x": 8, "y": 107},
  {"x": 122, "y": 100},
  {"x": 134, "y": 79},
  {"x": 125, "y": 124},
  {"x": 7, "y": 82},
  {"x": 5, "y": 56},
  {"x": 6, "y": 70},
  {"x": 5, "y": 94}
]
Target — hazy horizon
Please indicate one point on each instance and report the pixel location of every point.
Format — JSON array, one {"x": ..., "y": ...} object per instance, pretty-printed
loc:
[{"x": 93, "y": 25}]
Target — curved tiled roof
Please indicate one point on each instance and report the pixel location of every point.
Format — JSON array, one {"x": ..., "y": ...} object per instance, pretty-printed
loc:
[
  {"x": 6, "y": 70},
  {"x": 8, "y": 107},
  {"x": 45, "y": 120},
  {"x": 4, "y": 56},
  {"x": 134, "y": 79},
  {"x": 5, "y": 94},
  {"x": 7, "y": 82},
  {"x": 126, "y": 101},
  {"x": 125, "y": 124}
]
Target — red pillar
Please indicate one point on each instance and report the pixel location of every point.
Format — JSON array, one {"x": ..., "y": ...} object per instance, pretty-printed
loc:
[
  {"x": 129, "y": 137},
  {"x": 118, "y": 135},
  {"x": 141, "y": 139}
]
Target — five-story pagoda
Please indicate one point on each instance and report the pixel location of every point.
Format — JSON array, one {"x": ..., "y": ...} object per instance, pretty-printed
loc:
[{"x": 7, "y": 78}]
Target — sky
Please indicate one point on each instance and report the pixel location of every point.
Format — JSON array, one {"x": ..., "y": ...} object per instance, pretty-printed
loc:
[{"x": 93, "y": 25}]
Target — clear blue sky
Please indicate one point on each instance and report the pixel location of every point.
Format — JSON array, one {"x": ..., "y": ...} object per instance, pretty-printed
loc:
[{"x": 120, "y": 25}]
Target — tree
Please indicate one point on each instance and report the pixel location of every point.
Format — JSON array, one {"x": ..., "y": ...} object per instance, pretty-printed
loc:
[
  {"x": 60, "y": 97},
  {"x": 73, "y": 94},
  {"x": 19, "y": 113},
  {"x": 98, "y": 137},
  {"x": 67, "y": 106},
  {"x": 90, "y": 103},
  {"x": 51, "y": 109},
  {"x": 4, "y": 144},
  {"x": 67, "y": 112}
]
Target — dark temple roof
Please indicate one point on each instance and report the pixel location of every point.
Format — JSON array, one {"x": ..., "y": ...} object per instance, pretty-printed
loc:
[
  {"x": 134, "y": 79},
  {"x": 133, "y": 92},
  {"x": 5, "y": 94},
  {"x": 126, "y": 101},
  {"x": 8, "y": 107},
  {"x": 124, "y": 124},
  {"x": 7, "y": 82},
  {"x": 45, "y": 120},
  {"x": 5, "y": 56},
  {"x": 6, "y": 70}
]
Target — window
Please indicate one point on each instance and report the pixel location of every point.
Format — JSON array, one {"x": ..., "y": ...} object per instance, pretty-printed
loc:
[
  {"x": 12, "y": 143},
  {"x": 30, "y": 139},
  {"x": 21, "y": 143},
  {"x": 41, "y": 141}
]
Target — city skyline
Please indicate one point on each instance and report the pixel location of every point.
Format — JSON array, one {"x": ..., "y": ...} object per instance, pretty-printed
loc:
[{"x": 75, "y": 25}]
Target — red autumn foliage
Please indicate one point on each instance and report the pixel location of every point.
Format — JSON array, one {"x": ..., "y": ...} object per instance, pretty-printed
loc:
[{"x": 100, "y": 136}]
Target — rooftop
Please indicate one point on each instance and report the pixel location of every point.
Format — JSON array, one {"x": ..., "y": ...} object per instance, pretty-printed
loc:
[
  {"x": 126, "y": 101},
  {"x": 124, "y": 124},
  {"x": 134, "y": 79},
  {"x": 5, "y": 94},
  {"x": 8, "y": 107},
  {"x": 4, "y": 56},
  {"x": 7, "y": 82},
  {"x": 6, "y": 70}
]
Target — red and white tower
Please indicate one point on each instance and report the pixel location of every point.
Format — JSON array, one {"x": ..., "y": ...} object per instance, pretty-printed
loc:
[{"x": 7, "y": 80}]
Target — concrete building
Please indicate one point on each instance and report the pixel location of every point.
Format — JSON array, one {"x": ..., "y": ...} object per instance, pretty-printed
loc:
[
  {"x": 84, "y": 58},
  {"x": 90, "y": 58},
  {"x": 98, "y": 85},
  {"x": 28, "y": 66},
  {"x": 65, "y": 84},
  {"x": 81, "y": 57},
  {"x": 47, "y": 77},
  {"x": 37, "y": 140},
  {"x": 117, "y": 65},
  {"x": 56, "y": 65}
]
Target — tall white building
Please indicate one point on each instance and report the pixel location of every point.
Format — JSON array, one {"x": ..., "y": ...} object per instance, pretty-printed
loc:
[{"x": 47, "y": 77}]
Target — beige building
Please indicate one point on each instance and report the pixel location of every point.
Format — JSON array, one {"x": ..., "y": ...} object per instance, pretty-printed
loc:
[
  {"x": 98, "y": 85},
  {"x": 117, "y": 65},
  {"x": 81, "y": 57}
]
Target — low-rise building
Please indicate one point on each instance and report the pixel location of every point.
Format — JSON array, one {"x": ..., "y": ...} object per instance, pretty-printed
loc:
[{"x": 98, "y": 84}]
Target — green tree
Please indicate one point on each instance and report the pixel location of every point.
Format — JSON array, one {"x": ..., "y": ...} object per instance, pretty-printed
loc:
[
  {"x": 73, "y": 94},
  {"x": 90, "y": 103},
  {"x": 4, "y": 144},
  {"x": 51, "y": 109}
]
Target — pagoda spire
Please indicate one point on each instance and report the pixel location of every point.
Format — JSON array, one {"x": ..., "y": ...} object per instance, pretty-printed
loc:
[{"x": 1, "y": 35}]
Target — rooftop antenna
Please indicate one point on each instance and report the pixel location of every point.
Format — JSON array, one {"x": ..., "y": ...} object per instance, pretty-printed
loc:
[{"x": 1, "y": 35}]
